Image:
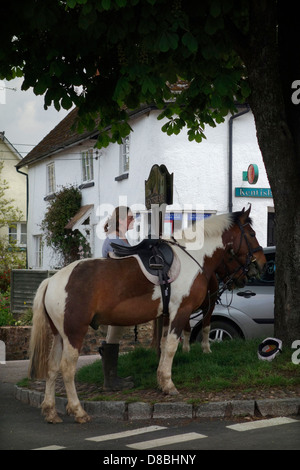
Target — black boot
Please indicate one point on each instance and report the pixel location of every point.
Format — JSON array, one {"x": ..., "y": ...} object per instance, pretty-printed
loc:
[{"x": 109, "y": 353}]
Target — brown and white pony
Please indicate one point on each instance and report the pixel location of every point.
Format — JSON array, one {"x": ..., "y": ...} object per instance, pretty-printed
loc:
[{"x": 115, "y": 292}]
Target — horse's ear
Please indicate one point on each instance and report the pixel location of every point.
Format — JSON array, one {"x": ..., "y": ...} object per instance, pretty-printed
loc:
[{"x": 245, "y": 215}]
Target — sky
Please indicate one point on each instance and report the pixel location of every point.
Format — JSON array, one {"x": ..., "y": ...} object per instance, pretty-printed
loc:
[{"x": 22, "y": 116}]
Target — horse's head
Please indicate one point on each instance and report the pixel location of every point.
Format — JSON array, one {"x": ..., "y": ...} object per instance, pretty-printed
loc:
[{"x": 244, "y": 257}]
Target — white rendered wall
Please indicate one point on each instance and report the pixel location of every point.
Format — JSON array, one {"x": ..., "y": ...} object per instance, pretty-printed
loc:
[{"x": 200, "y": 174}]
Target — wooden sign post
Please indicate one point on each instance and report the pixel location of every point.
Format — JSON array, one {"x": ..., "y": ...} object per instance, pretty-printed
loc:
[{"x": 158, "y": 194}]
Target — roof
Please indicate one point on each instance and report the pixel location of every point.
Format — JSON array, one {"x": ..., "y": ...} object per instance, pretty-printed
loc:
[
  {"x": 10, "y": 146},
  {"x": 79, "y": 217},
  {"x": 63, "y": 135}
]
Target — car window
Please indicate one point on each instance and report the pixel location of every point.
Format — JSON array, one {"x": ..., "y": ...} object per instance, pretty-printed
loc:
[{"x": 267, "y": 278}]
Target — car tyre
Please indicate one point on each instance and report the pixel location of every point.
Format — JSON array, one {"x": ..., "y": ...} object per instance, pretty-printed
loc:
[{"x": 220, "y": 331}]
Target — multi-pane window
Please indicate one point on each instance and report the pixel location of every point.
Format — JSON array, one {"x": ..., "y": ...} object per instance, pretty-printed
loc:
[
  {"x": 51, "y": 186},
  {"x": 124, "y": 155},
  {"x": 87, "y": 165},
  {"x": 18, "y": 233},
  {"x": 38, "y": 251}
]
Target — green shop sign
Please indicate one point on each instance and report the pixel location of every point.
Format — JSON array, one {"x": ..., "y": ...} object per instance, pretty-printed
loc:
[{"x": 253, "y": 192}]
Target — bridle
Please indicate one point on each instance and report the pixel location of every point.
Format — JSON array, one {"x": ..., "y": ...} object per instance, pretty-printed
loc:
[
  {"x": 230, "y": 278},
  {"x": 250, "y": 258}
]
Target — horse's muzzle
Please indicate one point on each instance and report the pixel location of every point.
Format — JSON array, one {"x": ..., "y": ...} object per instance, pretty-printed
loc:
[{"x": 256, "y": 269}]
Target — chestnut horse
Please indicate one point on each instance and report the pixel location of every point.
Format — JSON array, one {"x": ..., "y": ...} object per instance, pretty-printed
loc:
[{"x": 115, "y": 292}]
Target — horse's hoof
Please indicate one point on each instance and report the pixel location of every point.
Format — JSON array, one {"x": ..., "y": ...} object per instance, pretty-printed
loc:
[
  {"x": 83, "y": 419},
  {"x": 53, "y": 419},
  {"x": 171, "y": 391}
]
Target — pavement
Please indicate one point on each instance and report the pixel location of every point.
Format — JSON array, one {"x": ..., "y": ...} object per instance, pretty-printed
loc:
[{"x": 13, "y": 371}]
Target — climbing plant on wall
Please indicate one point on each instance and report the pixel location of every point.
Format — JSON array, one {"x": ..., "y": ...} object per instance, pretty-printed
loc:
[{"x": 70, "y": 245}]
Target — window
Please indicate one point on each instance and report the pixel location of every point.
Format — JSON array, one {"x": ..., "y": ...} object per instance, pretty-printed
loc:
[
  {"x": 17, "y": 233},
  {"x": 87, "y": 165},
  {"x": 38, "y": 251},
  {"x": 51, "y": 186},
  {"x": 124, "y": 156}
]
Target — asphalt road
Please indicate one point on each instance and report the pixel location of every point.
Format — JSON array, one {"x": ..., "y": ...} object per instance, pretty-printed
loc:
[{"x": 23, "y": 428}]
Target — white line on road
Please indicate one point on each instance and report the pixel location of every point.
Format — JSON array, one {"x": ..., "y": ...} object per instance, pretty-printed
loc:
[
  {"x": 264, "y": 423},
  {"x": 164, "y": 441},
  {"x": 120, "y": 435},
  {"x": 53, "y": 447}
]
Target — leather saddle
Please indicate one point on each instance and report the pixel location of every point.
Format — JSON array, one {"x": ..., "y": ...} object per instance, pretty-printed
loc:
[
  {"x": 155, "y": 254},
  {"x": 157, "y": 257}
]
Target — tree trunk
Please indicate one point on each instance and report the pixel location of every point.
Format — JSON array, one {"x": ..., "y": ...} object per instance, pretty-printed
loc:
[{"x": 281, "y": 158}]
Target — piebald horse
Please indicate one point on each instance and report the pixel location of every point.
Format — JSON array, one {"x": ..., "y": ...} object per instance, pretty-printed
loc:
[{"x": 115, "y": 292}]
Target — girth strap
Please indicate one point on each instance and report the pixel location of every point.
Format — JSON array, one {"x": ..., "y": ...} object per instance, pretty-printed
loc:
[{"x": 164, "y": 281}]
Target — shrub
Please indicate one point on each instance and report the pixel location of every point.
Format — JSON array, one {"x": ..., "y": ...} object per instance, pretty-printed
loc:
[
  {"x": 6, "y": 317},
  {"x": 70, "y": 245}
]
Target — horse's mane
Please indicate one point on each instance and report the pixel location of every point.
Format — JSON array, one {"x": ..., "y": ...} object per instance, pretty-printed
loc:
[
  {"x": 217, "y": 224},
  {"x": 214, "y": 226}
]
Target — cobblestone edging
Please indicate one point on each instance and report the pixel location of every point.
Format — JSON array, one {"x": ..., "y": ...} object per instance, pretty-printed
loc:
[{"x": 120, "y": 410}]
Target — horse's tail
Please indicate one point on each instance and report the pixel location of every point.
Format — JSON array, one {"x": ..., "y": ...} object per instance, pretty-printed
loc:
[{"x": 40, "y": 337}]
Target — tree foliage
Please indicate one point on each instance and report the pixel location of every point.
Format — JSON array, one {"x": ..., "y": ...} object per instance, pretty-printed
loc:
[
  {"x": 126, "y": 52},
  {"x": 123, "y": 53},
  {"x": 10, "y": 215}
]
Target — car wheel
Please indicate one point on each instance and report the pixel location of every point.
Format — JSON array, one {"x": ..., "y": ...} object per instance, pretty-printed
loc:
[{"x": 220, "y": 331}]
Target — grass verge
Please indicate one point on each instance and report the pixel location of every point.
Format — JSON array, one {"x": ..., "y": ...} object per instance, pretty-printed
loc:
[{"x": 232, "y": 365}]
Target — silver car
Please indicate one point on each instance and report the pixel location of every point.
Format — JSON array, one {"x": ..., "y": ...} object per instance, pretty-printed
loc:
[{"x": 245, "y": 313}]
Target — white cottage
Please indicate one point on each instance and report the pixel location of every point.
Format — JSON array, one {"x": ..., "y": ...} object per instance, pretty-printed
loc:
[{"x": 209, "y": 178}]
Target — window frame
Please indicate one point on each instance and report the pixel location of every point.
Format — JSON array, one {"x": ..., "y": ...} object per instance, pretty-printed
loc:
[
  {"x": 87, "y": 166},
  {"x": 38, "y": 251},
  {"x": 15, "y": 233},
  {"x": 51, "y": 183},
  {"x": 124, "y": 158}
]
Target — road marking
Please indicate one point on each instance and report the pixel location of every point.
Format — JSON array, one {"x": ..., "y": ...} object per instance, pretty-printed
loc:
[
  {"x": 120, "y": 435},
  {"x": 164, "y": 441},
  {"x": 53, "y": 447},
  {"x": 261, "y": 424}
]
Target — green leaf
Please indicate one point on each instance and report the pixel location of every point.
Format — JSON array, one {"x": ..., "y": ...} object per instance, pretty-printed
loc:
[
  {"x": 40, "y": 87},
  {"x": 168, "y": 41},
  {"x": 190, "y": 42},
  {"x": 163, "y": 43},
  {"x": 215, "y": 8},
  {"x": 66, "y": 102},
  {"x": 148, "y": 85},
  {"x": 106, "y": 4},
  {"x": 71, "y": 3}
]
